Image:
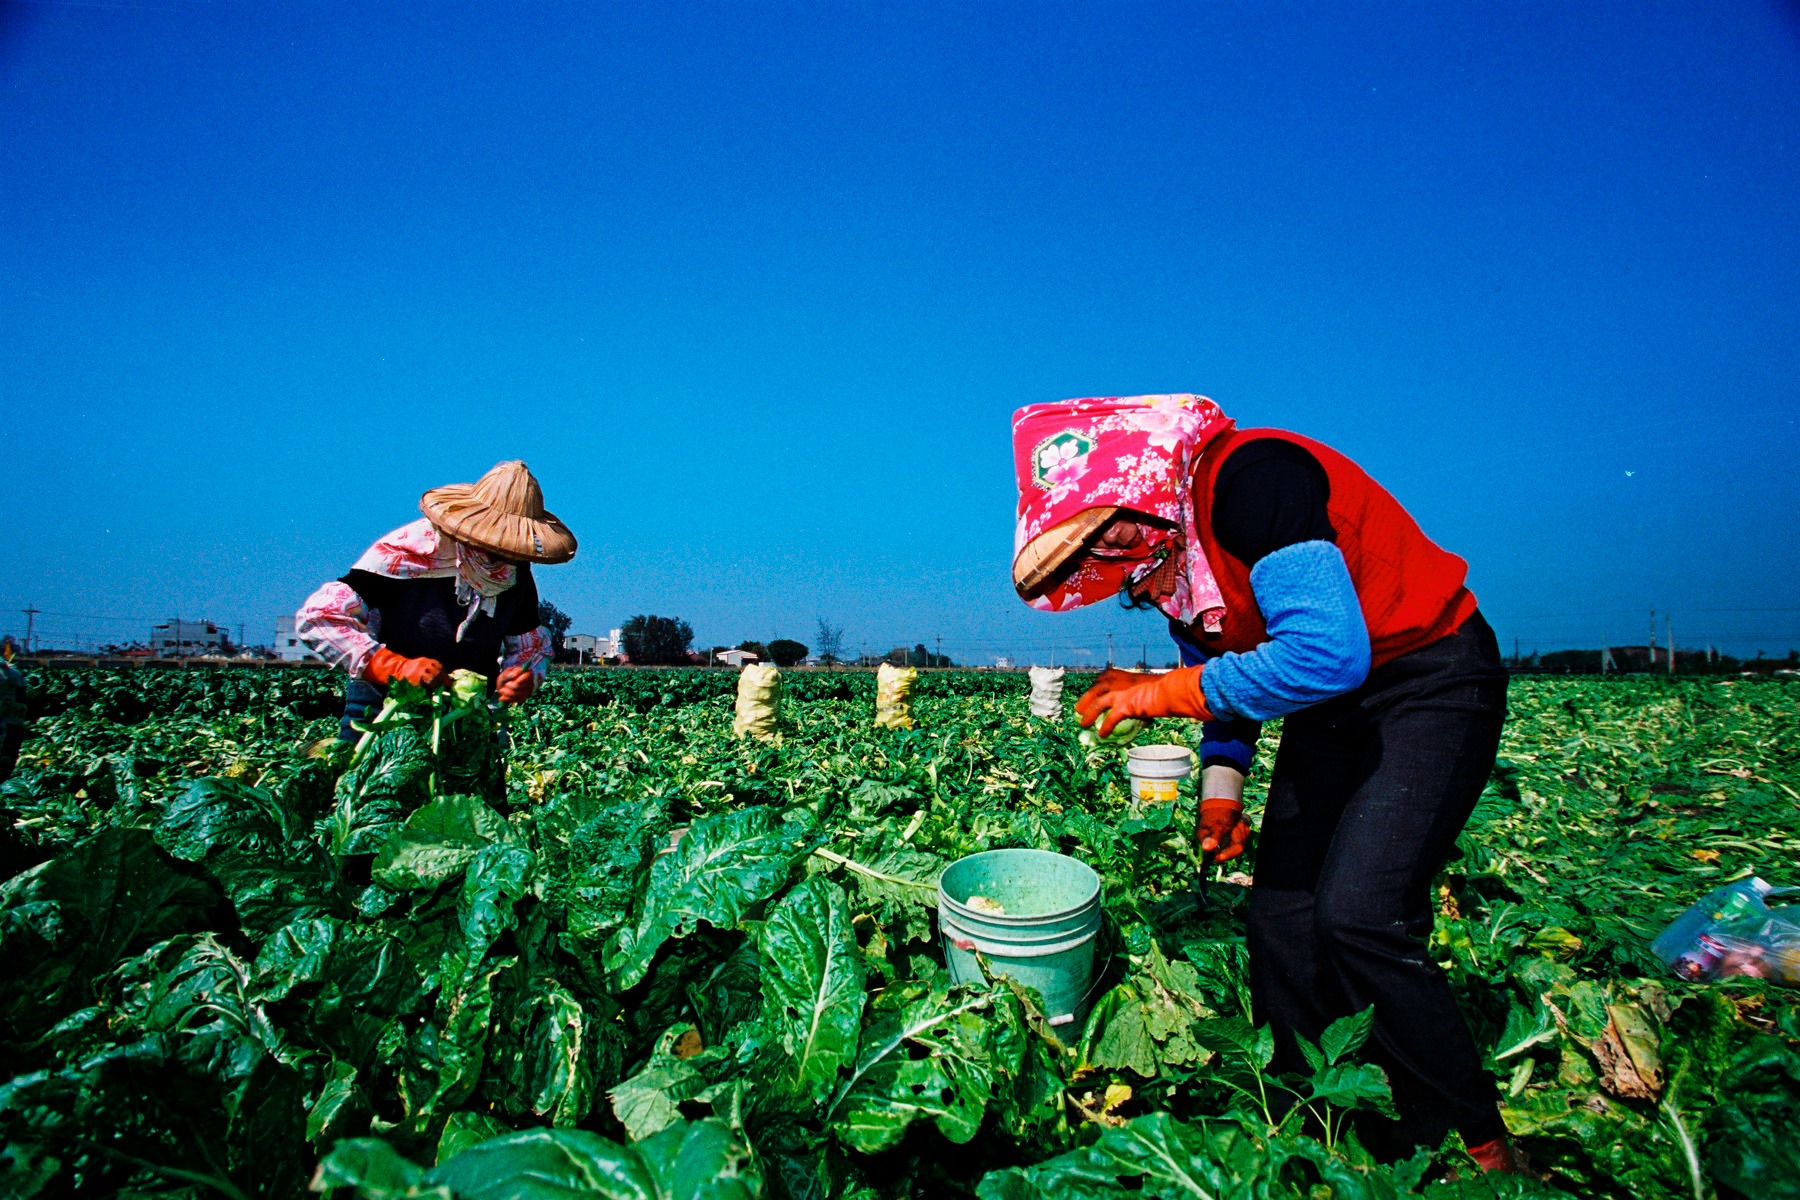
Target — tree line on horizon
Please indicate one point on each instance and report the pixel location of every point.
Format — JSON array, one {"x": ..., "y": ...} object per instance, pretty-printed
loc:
[
  {"x": 1636, "y": 660},
  {"x": 650, "y": 640}
]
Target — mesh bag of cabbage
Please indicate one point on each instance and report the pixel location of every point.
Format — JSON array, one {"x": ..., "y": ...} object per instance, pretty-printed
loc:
[
  {"x": 1046, "y": 693},
  {"x": 893, "y": 696},
  {"x": 758, "y": 701}
]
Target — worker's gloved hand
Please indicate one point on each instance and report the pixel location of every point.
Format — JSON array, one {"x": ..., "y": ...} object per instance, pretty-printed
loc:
[
  {"x": 1120, "y": 694},
  {"x": 385, "y": 666},
  {"x": 1222, "y": 831},
  {"x": 515, "y": 684}
]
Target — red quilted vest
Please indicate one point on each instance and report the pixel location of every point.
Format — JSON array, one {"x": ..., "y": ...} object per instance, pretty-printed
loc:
[{"x": 1411, "y": 589}]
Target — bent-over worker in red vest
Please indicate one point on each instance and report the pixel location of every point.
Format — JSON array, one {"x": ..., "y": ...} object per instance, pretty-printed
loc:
[{"x": 1295, "y": 587}]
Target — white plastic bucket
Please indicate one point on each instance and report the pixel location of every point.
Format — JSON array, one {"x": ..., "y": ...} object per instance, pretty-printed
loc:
[{"x": 1157, "y": 771}]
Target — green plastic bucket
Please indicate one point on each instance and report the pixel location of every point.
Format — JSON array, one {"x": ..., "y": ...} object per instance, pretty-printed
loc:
[{"x": 1045, "y": 937}]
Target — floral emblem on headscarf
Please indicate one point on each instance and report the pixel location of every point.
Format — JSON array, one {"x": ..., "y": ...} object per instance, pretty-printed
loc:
[{"x": 1060, "y": 460}]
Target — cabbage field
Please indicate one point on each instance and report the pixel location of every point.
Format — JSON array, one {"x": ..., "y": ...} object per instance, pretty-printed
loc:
[{"x": 639, "y": 957}]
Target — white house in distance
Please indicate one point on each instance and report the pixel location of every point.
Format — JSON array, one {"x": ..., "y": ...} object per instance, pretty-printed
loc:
[
  {"x": 735, "y": 658},
  {"x": 595, "y": 649},
  {"x": 175, "y": 638},
  {"x": 288, "y": 647}
]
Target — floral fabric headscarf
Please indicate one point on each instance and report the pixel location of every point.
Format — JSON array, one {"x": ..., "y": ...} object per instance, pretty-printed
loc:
[
  {"x": 418, "y": 551},
  {"x": 1135, "y": 452}
]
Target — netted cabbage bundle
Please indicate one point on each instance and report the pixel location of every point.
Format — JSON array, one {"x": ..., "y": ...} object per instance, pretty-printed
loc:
[
  {"x": 893, "y": 696},
  {"x": 1046, "y": 692},
  {"x": 758, "y": 701}
]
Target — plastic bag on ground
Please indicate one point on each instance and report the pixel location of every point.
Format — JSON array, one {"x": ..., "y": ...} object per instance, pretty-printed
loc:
[
  {"x": 893, "y": 696},
  {"x": 1734, "y": 932},
  {"x": 758, "y": 701},
  {"x": 1046, "y": 692}
]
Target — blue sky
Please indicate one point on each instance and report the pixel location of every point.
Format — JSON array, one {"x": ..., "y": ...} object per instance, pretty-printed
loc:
[{"x": 755, "y": 287}]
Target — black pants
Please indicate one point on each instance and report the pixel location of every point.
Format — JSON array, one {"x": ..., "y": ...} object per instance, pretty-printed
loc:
[
  {"x": 1369, "y": 792},
  {"x": 12, "y": 736},
  {"x": 362, "y": 700}
]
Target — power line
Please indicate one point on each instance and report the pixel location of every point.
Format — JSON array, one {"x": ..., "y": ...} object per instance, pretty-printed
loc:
[
  {"x": 1608, "y": 612},
  {"x": 89, "y": 616}
]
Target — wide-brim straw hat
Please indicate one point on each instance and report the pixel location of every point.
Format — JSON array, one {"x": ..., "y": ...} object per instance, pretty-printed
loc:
[
  {"x": 1048, "y": 555},
  {"x": 502, "y": 513}
]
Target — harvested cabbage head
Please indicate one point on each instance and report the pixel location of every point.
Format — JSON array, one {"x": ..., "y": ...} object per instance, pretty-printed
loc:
[
  {"x": 1123, "y": 734},
  {"x": 468, "y": 687}
]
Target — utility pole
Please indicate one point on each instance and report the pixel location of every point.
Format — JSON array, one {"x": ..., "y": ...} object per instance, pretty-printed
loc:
[
  {"x": 1650, "y": 667},
  {"x": 1109, "y": 652},
  {"x": 1671, "y": 626},
  {"x": 1515, "y": 650},
  {"x": 940, "y": 646},
  {"x": 1603, "y": 655},
  {"x": 30, "y": 623}
]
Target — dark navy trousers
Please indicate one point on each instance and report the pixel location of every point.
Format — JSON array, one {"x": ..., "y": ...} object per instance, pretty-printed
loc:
[{"x": 1369, "y": 792}]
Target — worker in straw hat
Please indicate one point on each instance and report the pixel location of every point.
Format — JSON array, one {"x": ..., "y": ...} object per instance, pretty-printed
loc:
[
  {"x": 452, "y": 590},
  {"x": 1294, "y": 587}
]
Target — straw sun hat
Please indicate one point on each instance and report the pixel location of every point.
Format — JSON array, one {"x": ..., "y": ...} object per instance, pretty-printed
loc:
[
  {"x": 1046, "y": 555},
  {"x": 502, "y": 513}
]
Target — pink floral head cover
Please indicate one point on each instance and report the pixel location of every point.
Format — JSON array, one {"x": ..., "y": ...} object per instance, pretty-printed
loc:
[
  {"x": 1136, "y": 452},
  {"x": 419, "y": 551}
]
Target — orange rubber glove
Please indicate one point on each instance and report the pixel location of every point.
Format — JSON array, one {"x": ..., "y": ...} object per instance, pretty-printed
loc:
[
  {"x": 385, "y": 666},
  {"x": 1222, "y": 830},
  {"x": 515, "y": 684},
  {"x": 1500, "y": 1156},
  {"x": 1119, "y": 694}
]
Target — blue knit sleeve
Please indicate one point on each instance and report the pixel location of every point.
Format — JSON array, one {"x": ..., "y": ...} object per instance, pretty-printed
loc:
[
  {"x": 1318, "y": 645},
  {"x": 1222, "y": 743}
]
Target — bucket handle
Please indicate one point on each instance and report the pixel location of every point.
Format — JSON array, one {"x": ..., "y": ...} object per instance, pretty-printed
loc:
[
  {"x": 1112, "y": 952},
  {"x": 1067, "y": 1018}
]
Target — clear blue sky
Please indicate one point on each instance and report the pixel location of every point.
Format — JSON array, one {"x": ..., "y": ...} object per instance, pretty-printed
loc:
[{"x": 754, "y": 288}]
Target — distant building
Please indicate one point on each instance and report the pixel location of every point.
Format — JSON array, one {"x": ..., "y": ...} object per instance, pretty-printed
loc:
[
  {"x": 1002, "y": 662},
  {"x": 735, "y": 658},
  {"x": 180, "y": 639},
  {"x": 589, "y": 648},
  {"x": 288, "y": 646}
]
